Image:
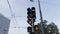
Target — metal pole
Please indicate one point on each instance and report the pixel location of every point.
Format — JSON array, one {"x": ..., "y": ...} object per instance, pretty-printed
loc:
[
  {"x": 41, "y": 17},
  {"x": 32, "y": 26}
]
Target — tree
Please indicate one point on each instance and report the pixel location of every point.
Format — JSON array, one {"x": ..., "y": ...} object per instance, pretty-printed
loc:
[{"x": 52, "y": 29}]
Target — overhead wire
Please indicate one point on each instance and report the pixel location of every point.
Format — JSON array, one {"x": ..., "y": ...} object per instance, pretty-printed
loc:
[{"x": 12, "y": 13}]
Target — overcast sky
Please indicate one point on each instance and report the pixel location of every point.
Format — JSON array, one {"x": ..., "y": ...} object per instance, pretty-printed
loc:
[{"x": 18, "y": 25}]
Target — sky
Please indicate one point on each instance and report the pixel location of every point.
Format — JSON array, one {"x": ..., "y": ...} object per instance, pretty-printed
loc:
[{"x": 18, "y": 25}]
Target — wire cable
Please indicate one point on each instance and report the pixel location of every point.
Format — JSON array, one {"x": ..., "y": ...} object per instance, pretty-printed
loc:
[
  {"x": 12, "y": 13},
  {"x": 13, "y": 16}
]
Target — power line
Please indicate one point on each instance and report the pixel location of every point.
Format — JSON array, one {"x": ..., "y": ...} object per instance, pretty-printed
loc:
[
  {"x": 17, "y": 17},
  {"x": 12, "y": 13}
]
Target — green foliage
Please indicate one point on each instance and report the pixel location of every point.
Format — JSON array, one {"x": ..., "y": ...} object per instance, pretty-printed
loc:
[{"x": 50, "y": 28}]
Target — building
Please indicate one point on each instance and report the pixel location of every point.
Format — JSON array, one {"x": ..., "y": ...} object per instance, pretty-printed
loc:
[{"x": 4, "y": 24}]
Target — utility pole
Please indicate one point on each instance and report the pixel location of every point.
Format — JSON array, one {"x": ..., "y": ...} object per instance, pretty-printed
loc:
[{"x": 41, "y": 18}]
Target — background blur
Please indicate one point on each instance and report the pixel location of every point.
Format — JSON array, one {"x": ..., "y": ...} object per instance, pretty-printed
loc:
[{"x": 18, "y": 25}]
